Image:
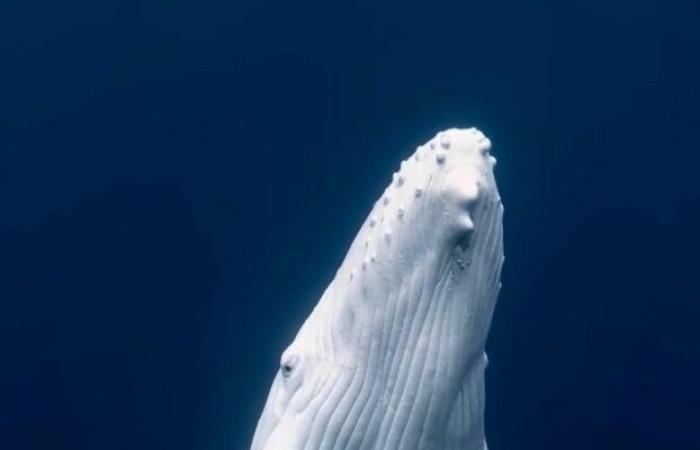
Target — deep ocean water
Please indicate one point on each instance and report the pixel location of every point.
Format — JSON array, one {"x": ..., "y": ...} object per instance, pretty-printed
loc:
[{"x": 180, "y": 180}]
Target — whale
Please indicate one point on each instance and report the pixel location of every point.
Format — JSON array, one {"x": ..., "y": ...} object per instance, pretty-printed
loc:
[{"x": 392, "y": 357}]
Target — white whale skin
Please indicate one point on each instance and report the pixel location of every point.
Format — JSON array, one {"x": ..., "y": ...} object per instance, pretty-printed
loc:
[{"x": 392, "y": 356}]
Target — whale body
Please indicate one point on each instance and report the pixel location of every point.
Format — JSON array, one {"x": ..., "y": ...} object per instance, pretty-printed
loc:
[{"x": 392, "y": 356}]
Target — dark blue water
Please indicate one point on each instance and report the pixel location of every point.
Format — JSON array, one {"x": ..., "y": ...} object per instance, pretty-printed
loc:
[{"x": 179, "y": 181}]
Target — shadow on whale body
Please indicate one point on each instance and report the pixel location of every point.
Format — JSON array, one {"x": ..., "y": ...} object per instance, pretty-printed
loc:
[{"x": 392, "y": 356}]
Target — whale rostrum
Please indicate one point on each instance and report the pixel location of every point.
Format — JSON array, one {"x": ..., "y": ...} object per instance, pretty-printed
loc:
[{"x": 392, "y": 356}]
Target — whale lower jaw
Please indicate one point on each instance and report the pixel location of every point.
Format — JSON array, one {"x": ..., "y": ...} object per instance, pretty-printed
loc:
[{"x": 393, "y": 353}]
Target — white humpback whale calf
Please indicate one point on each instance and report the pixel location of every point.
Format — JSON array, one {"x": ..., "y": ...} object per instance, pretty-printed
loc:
[{"x": 392, "y": 356}]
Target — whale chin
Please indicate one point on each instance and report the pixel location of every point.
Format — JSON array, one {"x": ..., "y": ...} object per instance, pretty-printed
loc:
[{"x": 392, "y": 356}]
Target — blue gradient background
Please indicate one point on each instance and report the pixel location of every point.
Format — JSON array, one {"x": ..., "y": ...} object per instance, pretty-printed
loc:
[{"x": 179, "y": 181}]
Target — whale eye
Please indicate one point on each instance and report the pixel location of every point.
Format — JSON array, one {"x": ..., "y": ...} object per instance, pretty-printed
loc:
[{"x": 288, "y": 365}]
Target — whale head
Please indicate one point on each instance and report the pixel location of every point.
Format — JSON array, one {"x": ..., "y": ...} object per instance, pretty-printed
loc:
[{"x": 392, "y": 356}]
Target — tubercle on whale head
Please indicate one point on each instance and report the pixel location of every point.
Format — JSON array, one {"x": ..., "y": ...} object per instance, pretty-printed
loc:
[
  {"x": 433, "y": 192},
  {"x": 430, "y": 203}
]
